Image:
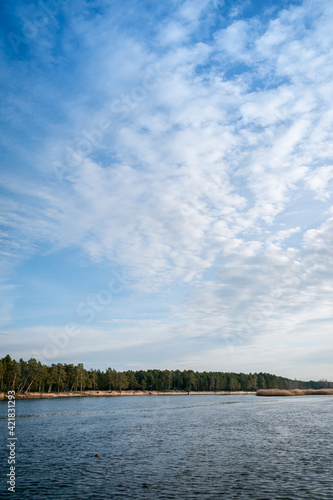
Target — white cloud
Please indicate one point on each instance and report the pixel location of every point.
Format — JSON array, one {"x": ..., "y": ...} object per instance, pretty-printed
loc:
[
  {"x": 319, "y": 181},
  {"x": 232, "y": 40}
]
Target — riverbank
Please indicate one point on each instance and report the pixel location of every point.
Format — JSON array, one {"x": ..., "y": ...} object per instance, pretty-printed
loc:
[
  {"x": 295, "y": 392},
  {"x": 79, "y": 394}
]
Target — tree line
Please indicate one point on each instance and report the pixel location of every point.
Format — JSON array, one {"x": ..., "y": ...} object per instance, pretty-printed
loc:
[{"x": 32, "y": 376}]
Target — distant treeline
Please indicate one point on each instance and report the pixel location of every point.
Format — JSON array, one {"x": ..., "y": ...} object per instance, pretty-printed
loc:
[{"x": 33, "y": 376}]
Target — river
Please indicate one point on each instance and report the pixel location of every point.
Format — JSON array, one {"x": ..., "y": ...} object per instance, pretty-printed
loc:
[{"x": 172, "y": 447}]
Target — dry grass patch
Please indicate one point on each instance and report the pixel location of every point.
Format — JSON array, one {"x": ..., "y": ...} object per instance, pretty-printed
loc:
[{"x": 295, "y": 392}]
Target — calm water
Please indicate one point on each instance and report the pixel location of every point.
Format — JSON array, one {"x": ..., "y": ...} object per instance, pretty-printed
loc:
[{"x": 173, "y": 447}]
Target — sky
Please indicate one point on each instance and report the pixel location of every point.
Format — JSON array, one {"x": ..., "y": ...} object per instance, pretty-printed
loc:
[{"x": 166, "y": 184}]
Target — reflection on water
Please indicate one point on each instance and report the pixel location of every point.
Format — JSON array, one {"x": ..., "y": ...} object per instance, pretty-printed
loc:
[{"x": 174, "y": 447}]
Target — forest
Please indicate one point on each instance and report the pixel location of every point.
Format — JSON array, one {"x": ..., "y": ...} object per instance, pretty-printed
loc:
[{"x": 33, "y": 376}]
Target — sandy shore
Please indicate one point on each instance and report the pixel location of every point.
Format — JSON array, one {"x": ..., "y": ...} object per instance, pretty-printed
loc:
[{"x": 38, "y": 395}]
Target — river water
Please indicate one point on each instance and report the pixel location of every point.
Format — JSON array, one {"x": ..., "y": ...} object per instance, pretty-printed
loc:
[{"x": 172, "y": 447}]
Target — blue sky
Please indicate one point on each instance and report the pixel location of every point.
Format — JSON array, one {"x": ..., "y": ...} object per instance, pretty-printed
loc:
[{"x": 166, "y": 184}]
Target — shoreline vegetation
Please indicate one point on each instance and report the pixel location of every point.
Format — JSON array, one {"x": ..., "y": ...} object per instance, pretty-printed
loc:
[
  {"x": 295, "y": 392},
  {"x": 32, "y": 379}
]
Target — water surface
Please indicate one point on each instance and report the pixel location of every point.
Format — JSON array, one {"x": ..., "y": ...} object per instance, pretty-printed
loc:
[{"x": 173, "y": 447}]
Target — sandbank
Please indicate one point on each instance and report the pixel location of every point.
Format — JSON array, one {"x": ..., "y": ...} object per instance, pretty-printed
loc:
[{"x": 49, "y": 395}]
